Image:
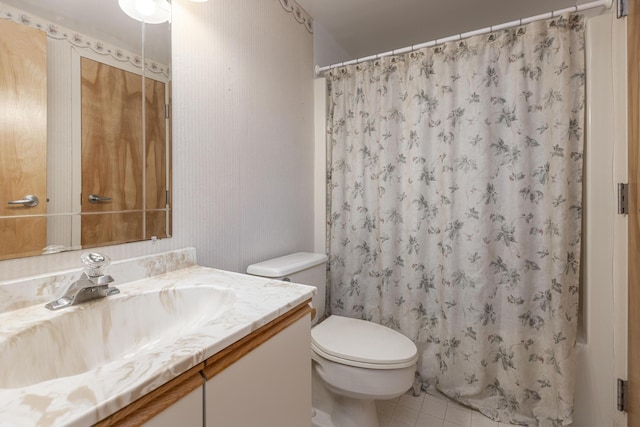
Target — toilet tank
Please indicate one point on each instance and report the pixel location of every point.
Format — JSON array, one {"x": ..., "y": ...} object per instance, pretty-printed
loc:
[{"x": 303, "y": 267}]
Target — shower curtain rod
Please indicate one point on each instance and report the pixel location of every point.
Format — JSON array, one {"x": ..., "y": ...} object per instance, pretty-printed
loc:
[{"x": 577, "y": 8}]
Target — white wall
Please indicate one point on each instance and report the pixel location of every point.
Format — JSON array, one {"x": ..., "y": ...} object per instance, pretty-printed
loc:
[
  {"x": 243, "y": 108},
  {"x": 326, "y": 50},
  {"x": 243, "y": 139},
  {"x": 601, "y": 358},
  {"x": 320, "y": 166},
  {"x": 59, "y": 141}
]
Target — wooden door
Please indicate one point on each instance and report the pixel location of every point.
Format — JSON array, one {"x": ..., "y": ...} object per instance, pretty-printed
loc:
[
  {"x": 23, "y": 138},
  {"x": 111, "y": 154},
  {"x": 633, "y": 61}
]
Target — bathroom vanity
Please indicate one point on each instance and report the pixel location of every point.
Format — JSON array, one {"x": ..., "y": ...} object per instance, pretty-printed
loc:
[
  {"x": 184, "y": 345},
  {"x": 259, "y": 380}
]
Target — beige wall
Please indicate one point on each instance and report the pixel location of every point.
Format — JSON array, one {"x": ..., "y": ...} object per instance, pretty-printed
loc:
[{"x": 243, "y": 138}]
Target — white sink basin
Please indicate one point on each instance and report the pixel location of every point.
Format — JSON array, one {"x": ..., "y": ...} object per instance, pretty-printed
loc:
[{"x": 91, "y": 335}]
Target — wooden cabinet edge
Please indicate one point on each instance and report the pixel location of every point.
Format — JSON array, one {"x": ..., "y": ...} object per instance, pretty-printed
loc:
[
  {"x": 151, "y": 404},
  {"x": 223, "y": 359}
]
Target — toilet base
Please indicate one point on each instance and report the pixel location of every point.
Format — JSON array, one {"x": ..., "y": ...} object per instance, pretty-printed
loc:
[
  {"x": 364, "y": 415},
  {"x": 332, "y": 410}
]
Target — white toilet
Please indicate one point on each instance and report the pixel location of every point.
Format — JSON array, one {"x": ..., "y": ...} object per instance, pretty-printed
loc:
[{"x": 355, "y": 362}]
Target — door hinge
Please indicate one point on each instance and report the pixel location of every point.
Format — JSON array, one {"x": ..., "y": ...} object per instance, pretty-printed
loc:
[
  {"x": 622, "y": 395},
  {"x": 623, "y": 8},
  {"x": 166, "y": 111},
  {"x": 623, "y": 198},
  {"x": 166, "y": 197}
]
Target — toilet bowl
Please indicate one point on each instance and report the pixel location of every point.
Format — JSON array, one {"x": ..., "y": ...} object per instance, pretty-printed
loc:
[
  {"x": 354, "y": 362},
  {"x": 357, "y": 362}
]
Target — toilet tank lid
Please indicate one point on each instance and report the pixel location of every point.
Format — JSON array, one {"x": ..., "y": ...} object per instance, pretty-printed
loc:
[{"x": 288, "y": 264}]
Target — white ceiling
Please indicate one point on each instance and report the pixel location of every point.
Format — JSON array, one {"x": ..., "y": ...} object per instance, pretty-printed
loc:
[{"x": 367, "y": 27}]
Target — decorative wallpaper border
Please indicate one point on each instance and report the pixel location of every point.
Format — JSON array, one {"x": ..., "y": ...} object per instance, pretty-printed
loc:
[
  {"x": 79, "y": 40},
  {"x": 299, "y": 13}
]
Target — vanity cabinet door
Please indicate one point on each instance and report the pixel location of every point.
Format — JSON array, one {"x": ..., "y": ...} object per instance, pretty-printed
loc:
[
  {"x": 268, "y": 387},
  {"x": 176, "y": 403},
  {"x": 186, "y": 412}
]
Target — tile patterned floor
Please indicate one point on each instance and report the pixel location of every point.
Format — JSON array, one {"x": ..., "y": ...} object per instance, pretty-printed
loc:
[{"x": 429, "y": 411}]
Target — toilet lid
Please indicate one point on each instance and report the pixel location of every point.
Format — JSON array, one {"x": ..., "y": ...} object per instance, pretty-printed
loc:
[{"x": 358, "y": 343}]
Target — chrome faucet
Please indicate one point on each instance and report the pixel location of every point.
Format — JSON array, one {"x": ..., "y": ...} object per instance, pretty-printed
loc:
[{"x": 92, "y": 284}]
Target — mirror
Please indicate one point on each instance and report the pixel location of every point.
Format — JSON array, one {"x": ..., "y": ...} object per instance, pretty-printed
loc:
[{"x": 85, "y": 136}]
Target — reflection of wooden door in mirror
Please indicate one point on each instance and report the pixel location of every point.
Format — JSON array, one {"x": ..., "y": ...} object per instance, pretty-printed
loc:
[
  {"x": 23, "y": 138},
  {"x": 112, "y": 161},
  {"x": 111, "y": 154}
]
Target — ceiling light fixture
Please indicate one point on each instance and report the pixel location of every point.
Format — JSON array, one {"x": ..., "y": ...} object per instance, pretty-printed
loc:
[{"x": 147, "y": 11}]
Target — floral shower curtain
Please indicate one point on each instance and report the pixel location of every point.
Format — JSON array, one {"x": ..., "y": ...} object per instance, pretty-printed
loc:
[{"x": 455, "y": 211}]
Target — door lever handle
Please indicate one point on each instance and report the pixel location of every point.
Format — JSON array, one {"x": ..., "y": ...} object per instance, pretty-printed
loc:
[
  {"x": 94, "y": 198},
  {"x": 29, "y": 201}
]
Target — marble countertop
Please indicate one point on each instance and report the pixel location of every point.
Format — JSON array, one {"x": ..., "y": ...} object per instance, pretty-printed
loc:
[{"x": 91, "y": 395}]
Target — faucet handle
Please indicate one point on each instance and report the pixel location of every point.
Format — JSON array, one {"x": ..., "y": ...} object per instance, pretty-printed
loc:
[{"x": 94, "y": 263}]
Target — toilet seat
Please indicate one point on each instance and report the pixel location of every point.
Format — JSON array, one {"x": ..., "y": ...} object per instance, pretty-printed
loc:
[{"x": 362, "y": 344}]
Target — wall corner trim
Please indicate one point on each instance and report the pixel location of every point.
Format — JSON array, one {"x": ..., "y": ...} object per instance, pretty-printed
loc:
[{"x": 298, "y": 13}]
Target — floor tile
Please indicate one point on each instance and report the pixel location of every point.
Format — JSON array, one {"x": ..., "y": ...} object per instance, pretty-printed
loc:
[
  {"x": 406, "y": 414},
  {"x": 479, "y": 420},
  {"x": 411, "y": 401},
  {"x": 398, "y": 423},
  {"x": 430, "y": 410},
  {"x": 436, "y": 393},
  {"x": 426, "y": 420},
  {"x": 458, "y": 416},
  {"x": 434, "y": 406}
]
